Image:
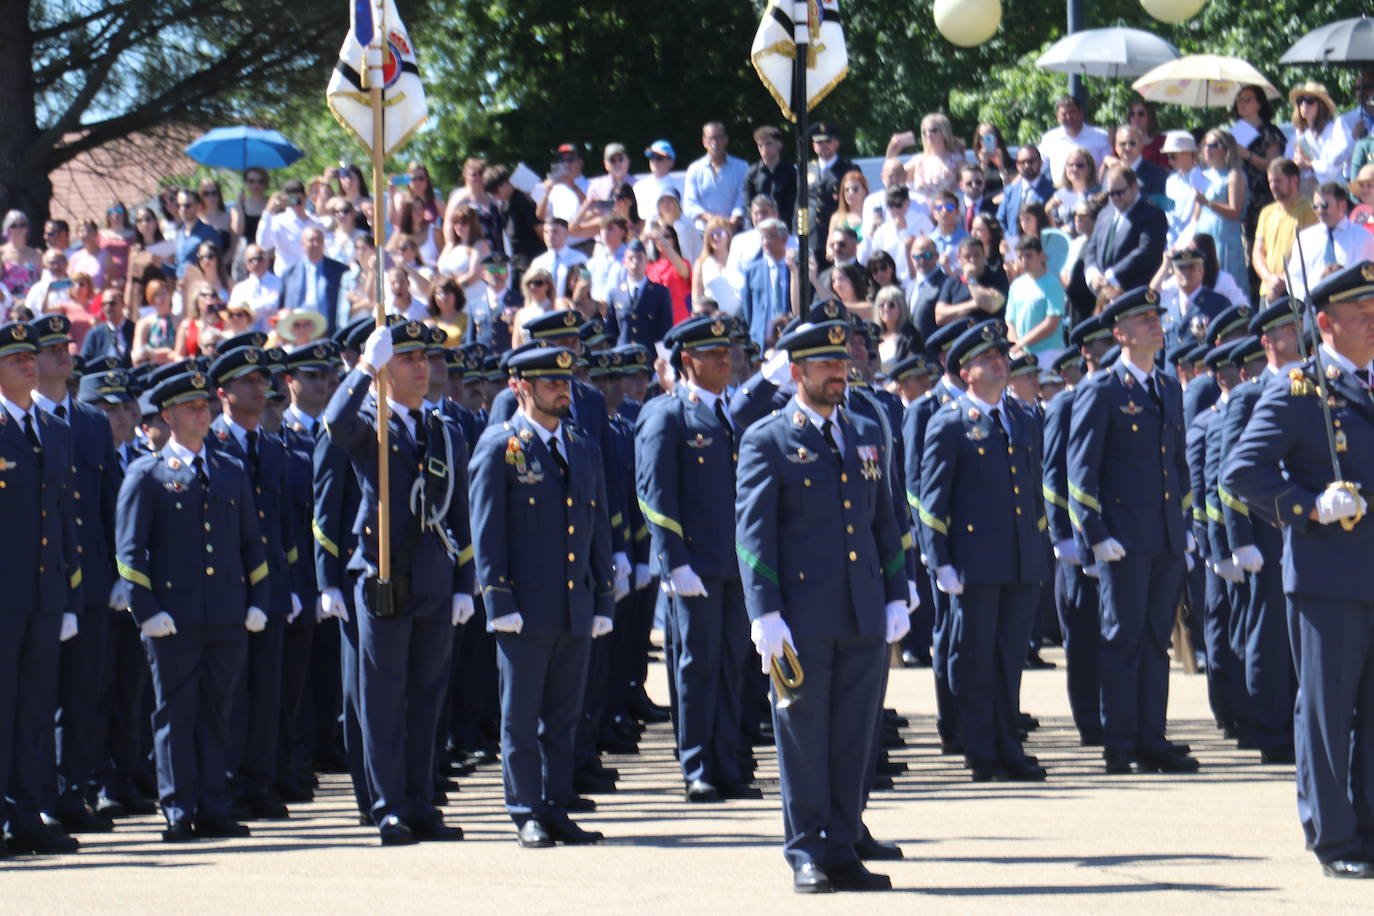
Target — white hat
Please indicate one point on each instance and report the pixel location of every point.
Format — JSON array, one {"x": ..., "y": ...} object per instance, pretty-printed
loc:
[
  {"x": 1179, "y": 141},
  {"x": 286, "y": 325}
]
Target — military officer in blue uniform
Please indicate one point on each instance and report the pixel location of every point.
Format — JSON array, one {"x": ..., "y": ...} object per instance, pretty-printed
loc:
[
  {"x": 982, "y": 528},
  {"x": 1257, "y": 547},
  {"x": 1128, "y": 487},
  {"x": 823, "y": 570},
  {"x": 489, "y": 318},
  {"x": 686, "y": 448},
  {"x": 543, "y": 558},
  {"x": 1282, "y": 467},
  {"x": 404, "y": 635},
  {"x": 188, "y": 541},
  {"x": 1076, "y": 595},
  {"x": 43, "y": 580}
]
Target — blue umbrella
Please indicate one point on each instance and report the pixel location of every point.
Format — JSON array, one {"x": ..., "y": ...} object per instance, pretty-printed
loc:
[{"x": 243, "y": 148}]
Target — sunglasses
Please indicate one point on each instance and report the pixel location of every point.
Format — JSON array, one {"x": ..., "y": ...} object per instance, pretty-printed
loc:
[
  {"x": 258, "y": 181},
  {"x": 1116, "y": 192},
  {"x": 655, "y": 157},
  {"x": 208, "y": 192},
  {"x": 1308, "y": 100},
  {"x": 494, "y": 270},
  {"x": 947, "y": 208},
  {"x": 538, "y": 281},
  {"x": 925, "y": 256},
  {"x": 1075, "y": 165},
  {"x": 255, "y": 259}
]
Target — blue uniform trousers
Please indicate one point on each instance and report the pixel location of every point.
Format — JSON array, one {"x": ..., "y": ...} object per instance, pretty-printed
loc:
[
  {"x": 1140, "y": 595},
  {"x": 350, "y": 666},
  {"x": 28, "y": 698},
  {"x": 543, "y": 679},
  {"x": 257, "y": 711},
  {"x": 120, "y": 723},
  {"x": 320, "y": 707},
  {"x": 403, "y": 666},
  {"x": 946, "y": 716},
  {"x": 1225, "y": 677},
  {"x": 1333, "y": 645},
  {"x": 293, "y": 751},
  {"x": 823, "y": 777},
  {"x": 713, "y": 650},
  {"x": 918, "y": 639},
  {"x": 1237, "y": 630},
  {"x": 475, "y": 669},
  {"x": 1269, "y": 677},
  {"x": 78, "y": 734},
  {"x": 989, "y": 629},
  {"x": 594, "y": 692},
  {"x": 195, "y": 677},
  {"x": 1075, "y": 594}
]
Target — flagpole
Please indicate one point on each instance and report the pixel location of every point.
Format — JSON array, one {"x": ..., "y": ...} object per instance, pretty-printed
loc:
[
  {"x": 801, "y": 40},
  {"x": 374, "y": 88}
]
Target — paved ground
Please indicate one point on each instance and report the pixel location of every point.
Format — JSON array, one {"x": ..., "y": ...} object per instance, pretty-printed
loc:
[{"x": 1226, "y": 840}]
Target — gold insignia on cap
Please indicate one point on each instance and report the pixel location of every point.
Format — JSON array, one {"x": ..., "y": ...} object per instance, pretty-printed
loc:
[
  {"x": 55, "y": 323},
  {"x": 197, "y": 380},
  {"x": 564, "y": 360},
  {"x": 321, "y": 352},
  {"x": 836, "y": 335},
  {"x": 250, "y": 356},
  {"x": 718, "y": 328},
  {"x": 111, "y": 378},
  {"x": 569, "y": 319},
  {"x": 1151, "y": 296},
  {"x": 1243, "y": 311},
  {"x": 413, "y": 329},
  {"x": 831, "y": 309},
  {"x": 1367, "y": 271},
  {"x": 20, "y": 332},
  {"x": 989, "y": 332}
]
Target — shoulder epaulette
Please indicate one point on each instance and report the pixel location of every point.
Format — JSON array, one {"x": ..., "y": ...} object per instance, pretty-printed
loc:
[{"x": 1299, "y": 384}]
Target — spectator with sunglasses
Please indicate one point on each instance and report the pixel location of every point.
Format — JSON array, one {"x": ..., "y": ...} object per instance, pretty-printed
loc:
[
  {"x": 20, "y": 262},
  {"x": 1140, "y": 114},
  {"x": 1320, "y": 144},
  {"x": 660, "y": 179},
  {"x": 927, "y": 279},
  {"x": 245, "y": 214},
  {"x": 261, "y": 291},
  {"x": 949, "y": 230},
  {"x": 1033, "y": 182}
]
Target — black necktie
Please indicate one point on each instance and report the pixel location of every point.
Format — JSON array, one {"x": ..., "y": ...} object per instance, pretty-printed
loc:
[
  {"x": 123, "y": 454},
  {"x": 558, "y": 458},
  {"x": 1154, "y": 392},
  {"x": 61, "y": 411},
  {"x": 421, "y": 439},
  {"x": 32, "y": 435},
  {"x": 997, "y": 422},
  {"x": 828, "y": 430},
  {"x": 199, "y": 465},
  {"x": 253, "y": 450},
  {"x": 1363, "y": 376},
  {"x": 725, "y": 422}
]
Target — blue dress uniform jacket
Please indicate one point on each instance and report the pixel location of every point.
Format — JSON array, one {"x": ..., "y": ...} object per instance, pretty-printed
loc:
[
  {"x": 757, "y": 398},
  {"x": 1128, "y": 476},
  {"x": 97, "y": 479},
  {"x": 825, "y": 584},
  {"x": 1202, "y": 392},
  {"x": 1055, "y": 482},
  {"x": 351, "y": 421},
  {"x": 526, "y": 518},
  {"x": 198, "y": 556},
  {"x": 337, "y": 496},
  {"x": 486, "y": 324}
]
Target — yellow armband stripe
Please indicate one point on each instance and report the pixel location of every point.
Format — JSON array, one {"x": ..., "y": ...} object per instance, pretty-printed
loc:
[
  {"x": 659, "y": 519},
  {"x": 323, "y": 539},
  {"x": 133, "y": 575}
]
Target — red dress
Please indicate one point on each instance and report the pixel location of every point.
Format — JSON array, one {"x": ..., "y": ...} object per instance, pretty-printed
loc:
[{"x": 679, "y": 288}]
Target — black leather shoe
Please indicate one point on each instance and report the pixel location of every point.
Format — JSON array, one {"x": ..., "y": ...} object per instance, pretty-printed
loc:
[
  {"x": 600, "y": 770},
  {"x": 738, "y": 790},
  {"x": 42, "y": 841},
  {"x": 1027, "y": 722},
  {"x": 871, "y": 850},
  {"x": 915, "y": 659},
  {"x": 1035, "y": 663},
  {"x": 4, "y": 848},
  {"x": 1118, "y": 764},
  {"x": 532, "y": 835},
  {"x": 1024, "y": 771},
  {"x": 883, "y": 784},
  {"x": 1281, "y": 754},
  {"x": 265, "y": 808},
  {"x": 613, "y": 744},
  {"x": 83, "y": 820},
  {"x": 853, "y": 876},
  {"x": 580, "y": 804},
  {"x": 808, "y": 879},
  {"x": 701, "y": 791},
  {"x": 586, "y": 782},
  {"x": 221, "y": 828},
  {"x": 892, "y": 719},
  {"x": 1166, "y": 763},
  {"x": 178, "y": 832},
  {"x": 1179, "y": 748},
  {"x": 890, "y": 767},
  {"x": 1348, "y": 868},
  {"x": 565, "y": 831},
  {"x": 110, "y": 808},
  {"x": 951, "y": 746},
  {"x": 1090, "y": 740},
  {"x": 394, "y": 832},
  {"x": 435, "y": 830}
]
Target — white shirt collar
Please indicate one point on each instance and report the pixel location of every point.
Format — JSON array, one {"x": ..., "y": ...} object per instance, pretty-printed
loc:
[
  {"x": 18, "y": 413},
  {"x": 706, "y": 397},
  {"x": 50, "y": 405},
  {"x": 240, "y": 434},
  {"x": 1337, "y": 359},
  {"x": 989, "y": 408},
  {"x": 188, "y": 457},
  {"x": 545, "y": 434},
  {"x": 402, "y": 413},
  {"x": 1140, "y": 374},
  {"x": 818, "y": 421},
  {"x": 295, "y": 413}
]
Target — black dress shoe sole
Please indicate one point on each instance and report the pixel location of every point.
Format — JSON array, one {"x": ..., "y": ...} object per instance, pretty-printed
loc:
[
  {"x": 878, "y": 852},
  {"x": 1342, "y": 868}
]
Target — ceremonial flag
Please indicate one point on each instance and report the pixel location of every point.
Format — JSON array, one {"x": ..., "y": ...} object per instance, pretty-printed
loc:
[
  {"x": 785, "y": 25},
  {"x": 375, "y": 24}
]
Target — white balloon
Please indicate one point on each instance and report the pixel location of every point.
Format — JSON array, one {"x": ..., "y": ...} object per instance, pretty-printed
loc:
[
  {"x": 968, "y": 22},
  {"x": 1172, "y": 10}
]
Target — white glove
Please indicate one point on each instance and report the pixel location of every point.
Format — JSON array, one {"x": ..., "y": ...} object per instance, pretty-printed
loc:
[
  {"x": 1248, "y": 558},
  {"x": 1191, "y": 543},
  {"x": 601, "y": 626},
  {"x": 332, "y": 604},
  {"x": 295, "y": 608},
  {"x": 509, "y": 623},
  {"x": 778, "y": 369},
  {"x": 1066, "y": 551},
  {"x": 644, "y": 574},
  {"x": 1109, "y": 551},
  {"x": 121, "y": 594},
  {"x": 1090, "y": 569},
  {"x": 913, "y": 596},
  {"x": 1228, "y": 571},
  {"x": 463, "y": 609},
  {"x": 256, "y": 621},
  {"x": 159, "y": 625},
  {"x": 686, "y": 583},
  {"x": 898, "y": 621},
  {"x": 69, "y": 627},
  {"x": 768, "y": 634},
  {"x": 623, "y": 569},
  {"x": 1334, "y": 505},
  {"x": 947, "y": 580},
  {"x": 377, "y": 349}
]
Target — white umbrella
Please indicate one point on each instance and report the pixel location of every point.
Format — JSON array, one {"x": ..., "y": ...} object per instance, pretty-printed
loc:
[
  {"x": 1201, "y": 81},
  {"x": 1109, "y": 53}
]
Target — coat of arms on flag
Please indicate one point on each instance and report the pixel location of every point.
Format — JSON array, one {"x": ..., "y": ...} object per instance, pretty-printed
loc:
[
  {"x": 376, "y": 24},
  {"x": 775, "y": 49}
]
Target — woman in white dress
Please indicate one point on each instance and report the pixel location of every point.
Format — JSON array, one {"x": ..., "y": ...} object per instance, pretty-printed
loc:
[
  {"x": 464, "y": 249},
  {"x": 710, "y": 277}
]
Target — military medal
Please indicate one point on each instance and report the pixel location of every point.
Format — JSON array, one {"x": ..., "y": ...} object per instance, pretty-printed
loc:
[
  {"x": 1342, "y": 443},
  {"x": 868, "y": 458},
  {"x": 515, "y": 455}
]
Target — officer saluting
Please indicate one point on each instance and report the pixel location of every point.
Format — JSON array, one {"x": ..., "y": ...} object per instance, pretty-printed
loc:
[
  {"x": 543, "y": 557},
  {"x": 1128, "y": 489},
  {"x": 1282, "y": 467},
  {"x": 810, "y": 476},
  {"x": 188, "y": 541}
]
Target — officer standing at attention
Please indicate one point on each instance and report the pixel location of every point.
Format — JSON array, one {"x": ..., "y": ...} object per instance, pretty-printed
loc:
[
  {"x": 1282, "y": 467},
  {"x": 189, "y": 543},
  {"x": 811, "y": 476},
  {"x": 1128, "y": 487},
  {"x": 404, "y": 636},
  {"x": 685, "y": 449},
  {"x": 42, "y": 576},
  {"x": 983, "y": 524},
  {"x": 543, "y": 558}
]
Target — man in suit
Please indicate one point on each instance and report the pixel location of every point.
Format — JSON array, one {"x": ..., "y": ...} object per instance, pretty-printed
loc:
[
  {"x": 1281, "y": 467},
  {"x": 768, "y": 283},
  {"x": 827, "y": 171},
  {"x": 312, "y": 283},
  {"x": 971, "y": 198},
  {"x": 1129, "y": 145},
  {"x": 404, "y": 624},
  {"x": 112, "y": 337},
  {"x": 1128, "y": 239},
  {"x": 982, "y": 533},
  {"x": 1127, "y": 482},
  {"x": 835, "y": 592},
  {"x": 188, "y": 542},
  {"x": 1033, "y": 183},
  {"x": 640, "y": 310},
  {"x": 927, "y": 279},
  {"x": 538, "y": 496}
]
